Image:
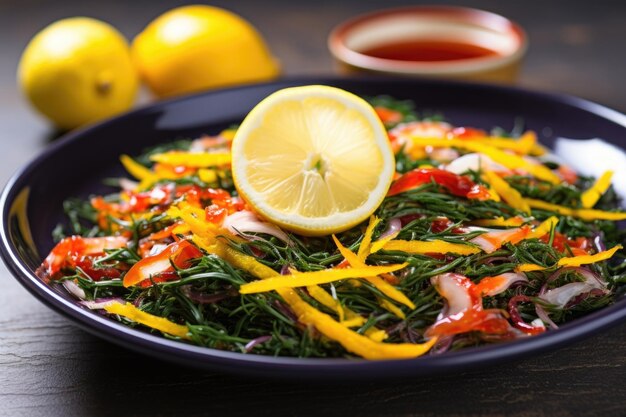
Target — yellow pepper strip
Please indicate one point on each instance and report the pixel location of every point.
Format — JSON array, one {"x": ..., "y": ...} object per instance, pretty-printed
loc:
[
  {"x": 158, "y": 323},
  {"x": 538, "y": 150},
  {"x": 326, "y": 299},
  {"x": 382, "y": 285},
  {"x": 392, "y": 308},
  {"x": 145, "y": 175},
  {"x": 508, "y": 193},
  {"x": 592, "y": 195},
  {"x": 364, "y": 247},
  {"x": 500, "y": 221},
  {"x": 529, "y": 268},
  {"x": 493, "y": 195},
  {"x": 573, "y": 260},
  {"x": 181, "y": 229},
  {"x": 207, "y": 175},
  {"x": 380, "y": 243},
  {"x": 433, "y": 246},
  {"x": 584, "y": 214},
  {"x": 136, "y": 169},
  {"x": 192, "y": 159},
  {"x": 503, "y": 158},
  {"x": 303, "y": 279},
  {"x": 228, "y": 134},
  {"x": 390, "y": 291},
  {"x": 355, "y": 321},
  {"x": 417, "y": 153},
  {"x": 326, "y": 325},
  {"x": 194, "y": 218},
  {"x": 589, "y": 259},
  {"x": 524, "y": 145},
  {"x": 347, "y": 317},
  {"x": 376, "y": 335},
  {"x": 544, "y": 228}
]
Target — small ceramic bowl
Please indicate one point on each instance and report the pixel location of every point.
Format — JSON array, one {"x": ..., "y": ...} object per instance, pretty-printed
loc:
[{"x": 489, "y": 47}]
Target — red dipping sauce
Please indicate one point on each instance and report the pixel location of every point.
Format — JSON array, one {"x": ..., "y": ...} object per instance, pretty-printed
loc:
[{"x": 428, "y": 51}]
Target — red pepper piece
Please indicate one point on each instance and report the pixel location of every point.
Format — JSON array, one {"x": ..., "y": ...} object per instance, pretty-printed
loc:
[
  {"x": 74, "y": 249},
  {"x": 387, "y": 115},
  {"x": 458, "y": 185},
  {"x": 179, "y": 253}
]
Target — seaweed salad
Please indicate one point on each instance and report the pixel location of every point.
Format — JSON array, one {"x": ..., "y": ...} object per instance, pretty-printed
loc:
[{"x": 482, "y": 237}]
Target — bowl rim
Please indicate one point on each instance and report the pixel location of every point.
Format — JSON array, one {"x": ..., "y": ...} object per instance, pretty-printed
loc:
[{"x": 338, "y": 48}]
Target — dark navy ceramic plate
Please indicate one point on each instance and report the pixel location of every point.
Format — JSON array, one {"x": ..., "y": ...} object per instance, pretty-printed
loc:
[{"x": 76, "y": 165}]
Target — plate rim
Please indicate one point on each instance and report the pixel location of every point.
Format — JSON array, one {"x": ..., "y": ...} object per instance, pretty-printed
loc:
[{"x": 313, "y": 368}]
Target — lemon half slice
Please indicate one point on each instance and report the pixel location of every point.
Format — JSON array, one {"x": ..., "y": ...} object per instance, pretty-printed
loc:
[{"x": 315, "y": 160}]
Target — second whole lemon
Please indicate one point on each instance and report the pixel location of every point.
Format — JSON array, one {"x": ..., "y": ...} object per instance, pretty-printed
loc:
[
  {"x": 77, "y": 71},
  {"x": 197, "y": 47}
]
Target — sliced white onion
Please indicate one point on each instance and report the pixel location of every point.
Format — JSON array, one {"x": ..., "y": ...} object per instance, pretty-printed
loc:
[
  {"x": 95, "y": 245},
  {"x": 562, "y": 295},
  {"x": 74, "y": 289},
  {"x": 537, "y": 323},
  {"x": 578, "y": 152},
  {"x": 155, "y": 267},
  {"x": 444, "y": 155},
  {"x": 422, "y": 129},
  {"x": 100, "y": 304},
  {"x": 395, "y": 225},
  {"x": 473, "y": 162},
  {"x": 245, "y": 221},
  {"x": 451, "y": 287},
  {"x": 208, "y": 143},
  {"x": 128, "y": 185},
  {"x": 405, "y": 131},
  {"x": 157, "y": 248}
]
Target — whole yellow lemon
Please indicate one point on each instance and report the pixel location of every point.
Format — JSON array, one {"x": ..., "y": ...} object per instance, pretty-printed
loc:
[
  {"x": 192, "y": 48},
  {"x": 77, "y": 71}
]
